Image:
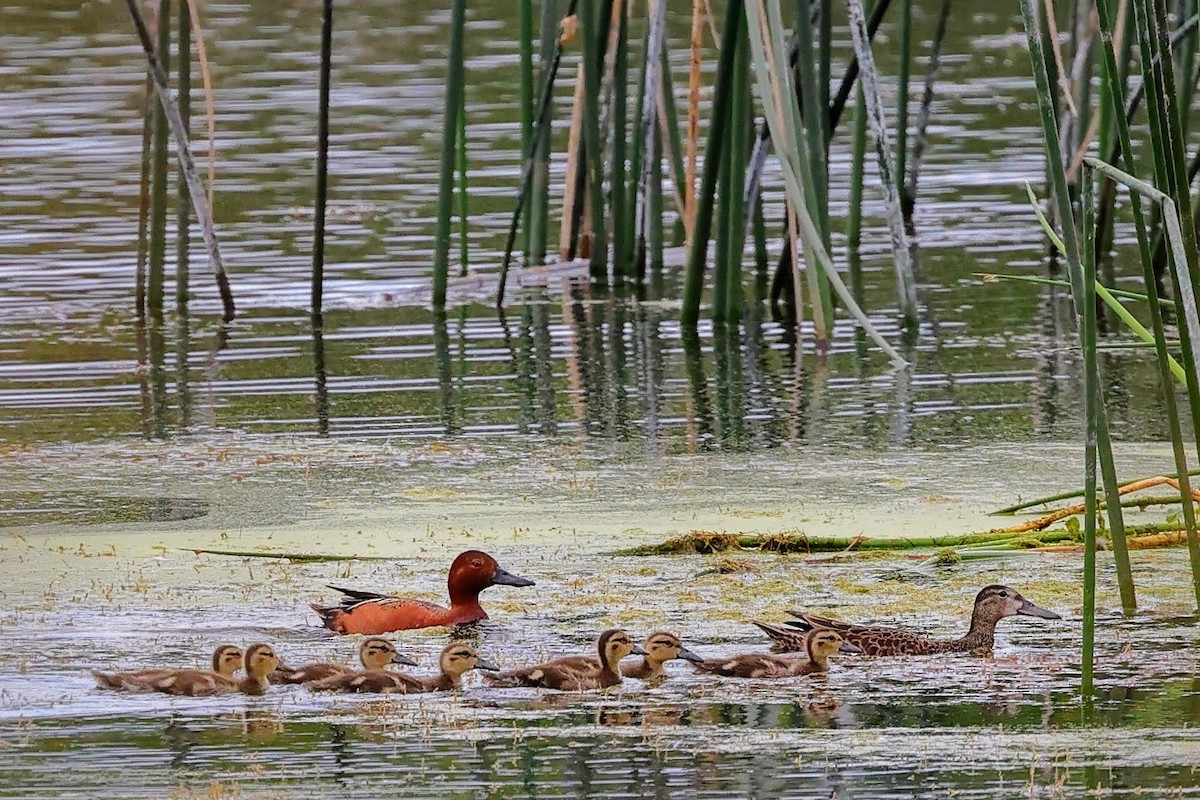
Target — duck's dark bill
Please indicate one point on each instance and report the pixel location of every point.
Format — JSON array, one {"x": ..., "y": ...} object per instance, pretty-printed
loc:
[
  {"x": 489, "y": 666},
  {"x": 405, "y": 660},
  {"x": 688, "y": 655},
  {"x": 505, "y": 578},
  {"x": 637, "y": 651},
  {"x": 1030, "y": 610},
  {"x": 849, "y": 647}
]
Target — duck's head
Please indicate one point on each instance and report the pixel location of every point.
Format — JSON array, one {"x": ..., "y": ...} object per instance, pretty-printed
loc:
[
  {"x": 663, "y": 646},
  {"x": 995, "y": 602},
  {"x": 822, "y": 643},
  {"x": 613, "y": 645},
  {"x": 459, "y": 658},
  {"x": 260, "y": 661},
  {"x": 474, "y": 571},
  {"x": 227, "y": 659},
  {"x": 377, "y": 653}
]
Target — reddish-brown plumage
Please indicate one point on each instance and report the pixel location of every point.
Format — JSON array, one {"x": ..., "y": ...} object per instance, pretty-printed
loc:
[{"x": 373, "y": 614}]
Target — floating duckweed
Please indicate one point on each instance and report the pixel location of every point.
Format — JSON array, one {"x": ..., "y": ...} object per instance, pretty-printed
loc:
[{"x": 946, "y": 557}]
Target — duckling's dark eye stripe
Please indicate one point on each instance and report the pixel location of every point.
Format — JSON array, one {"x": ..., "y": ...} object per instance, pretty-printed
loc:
[
  {"x": 462, "y": 654},
  {"x": 663, "y": 642}
]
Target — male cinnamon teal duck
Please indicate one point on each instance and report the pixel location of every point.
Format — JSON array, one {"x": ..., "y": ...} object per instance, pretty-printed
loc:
[
  {"x": 660, "y": 648},
  {"x": 226, "y": 660},
  {"x": 456, "y": 660},
  {"x": 576, "y": 673},
  {"x": 819, "y": 646},
  {"x": 992, "y": 604},
  {"x": 372, "y": 614},
  {"x": 258, "y": 662},
  {"x": 375, "y": 653}
]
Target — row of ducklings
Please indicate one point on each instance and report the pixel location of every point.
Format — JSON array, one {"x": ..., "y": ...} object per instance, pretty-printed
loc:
[{"x": 572, "y": 673}]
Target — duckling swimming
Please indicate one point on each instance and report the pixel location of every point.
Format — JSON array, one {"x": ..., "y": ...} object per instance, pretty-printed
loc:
[
  {"x": 660, "y": 648},
  {"x": 820, "y": 646},
  {"x": 576, "y": 673},
  {"x": 992, "y": 604},
  {"x": 375, "y": 653},
  {"x": 258, "y": 662},
  {"x": 226, "y": 660},
  {"x": 457, "y": 659}
]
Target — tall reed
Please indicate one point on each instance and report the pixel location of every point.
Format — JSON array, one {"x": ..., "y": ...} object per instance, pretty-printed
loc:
[
  {"x": 453, "y": 100},
  {"x": 318, "y": 252}
]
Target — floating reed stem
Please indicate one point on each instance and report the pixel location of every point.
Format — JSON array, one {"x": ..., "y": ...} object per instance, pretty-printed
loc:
[
  {"x": 454, "y": 89},
  {"x": 318, "y": 254}
]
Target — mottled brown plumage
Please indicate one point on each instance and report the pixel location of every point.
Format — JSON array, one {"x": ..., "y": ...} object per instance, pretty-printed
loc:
[
  {"x": 820, "y": 645},
  {"x": 457, "y": 659},
  {"x": 258, "y": 662},
  {"x": 576, "y": 673},
  {"x": 374, "y": 654},
  {"x": 226, "y": 661},
  {"x": 992, "y": 604}
]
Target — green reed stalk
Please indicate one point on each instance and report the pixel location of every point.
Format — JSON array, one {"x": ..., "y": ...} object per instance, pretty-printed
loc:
[
  {"x": 525, "y": 98},
  {"x": 698, "y": 247},
  {"x": 464, "y": 188},
  {"x": 183, "y": 206},
  {"x": 158, "y": 184},
  {"x": 739, "y": 151},
  {"x": 1091, "y": 404},
  {"x": 318, "y": 253},
  {"x": 630, "y": 231},
  {"x": 454, "y": 91},
  {"x": 816, "y": 147},
  {"x": 1168, "y": 147},
  {"x": 143, "y": 244},
  {"x": 1070, "y": 236},
  {"x": 824, "y": 63},
  {"x": 902, "y": 79},
  {"x": 858, "y": 157},
  {"x": 720, "y": 298},
  {"x": 537, "y": 151},
  {"x": 622, "y": 266},
  {"x": 1166, "y": 364},
  {"x": 594, "y": 32}
]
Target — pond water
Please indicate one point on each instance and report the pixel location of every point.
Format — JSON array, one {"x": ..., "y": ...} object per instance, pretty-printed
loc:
[{"x": 576, "y": 423}]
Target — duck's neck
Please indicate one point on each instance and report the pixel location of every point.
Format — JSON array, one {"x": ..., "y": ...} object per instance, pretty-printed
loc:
[
  {"x": 818, "y": 659},
  {"x": 446, "y": 681},
  {"x": 982, "y": 632},
  {"x": 609, "y": 666}
]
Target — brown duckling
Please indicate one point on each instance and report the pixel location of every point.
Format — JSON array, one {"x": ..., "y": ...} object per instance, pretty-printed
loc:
[
  {"x": 576, "y": 673},
  {"x": 226, "y": 660},
  {"x": 457, "y": 659},
  {"x": 660, "y": 648},
  {"x": 258, "y": 662},
  {"x": 820, "y": 645},
  {"x": 375, "y": 653}
]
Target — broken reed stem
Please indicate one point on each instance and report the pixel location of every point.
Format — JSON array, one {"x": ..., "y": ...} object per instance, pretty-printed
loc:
[{"x": 184, "y": 154}]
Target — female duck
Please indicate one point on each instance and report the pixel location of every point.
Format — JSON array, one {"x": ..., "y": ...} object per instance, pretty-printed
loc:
[
  {"x": 992, "y": 604},
  {"x": 457, "y": 659},
  {"x": 374, "y": 654},
  {"x": 576, "y": 673},
  {"x": 660, "y": 648},
  {"x": 820, "y": 646},
  {"x": 372, "y": 614}
]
